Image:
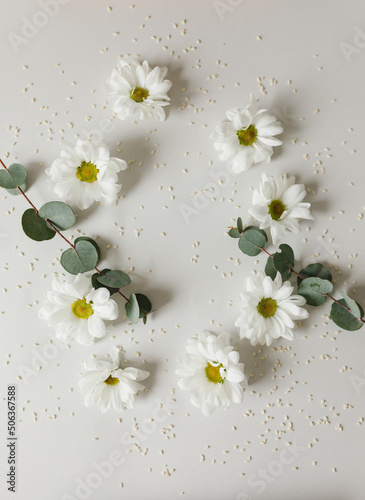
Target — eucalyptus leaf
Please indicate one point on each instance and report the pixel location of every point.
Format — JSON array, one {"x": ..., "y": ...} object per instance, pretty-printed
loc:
[
  {"x": 256, "y": 228},
  {"x": 343, "y": 318},
  {"x": 233, "y": 233},
  {"x": 314, "y": 290},
  {"x": 15, "y": 191},
  {"x": 351, "y": 304},
  {"x": 35, "y": 227},
  {"x": 132, "y": 308},
  {"x": 13, "y": 177},
  {"x": 270, "y": 269},
  {"x": 83, "y": 259},
  {"x": 315, "y": 270},
  {"x": 284, "y": 261},
  {"x": 114, "y": 279},
  {"x": 239, "y": 225},
  {"x": 252, "y": 241},
  {"x": 90, "y": 240},
  {"x": 145, "y": 305},
  {"x": 96, "y": 284},
  {"x": 59, "y": 213}
]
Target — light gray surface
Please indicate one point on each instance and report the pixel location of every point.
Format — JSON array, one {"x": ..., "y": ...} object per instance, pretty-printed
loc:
[{"x": 310, "y": 392}]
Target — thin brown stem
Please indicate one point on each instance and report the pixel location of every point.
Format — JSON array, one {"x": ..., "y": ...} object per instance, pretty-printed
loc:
[
  {"x": 120, "y": 293},
  {"x": 343, "y": 306},
  {"x": 19, "y": 188},
  {"x": 60, "y": 234},
  {"x": 326, "y": 294},
  {"x": 124, "y": 297},
  {"x": 297, "y": 274},
  {"x": 56, "y": 230},
  {"x": 268, "y": 253}
]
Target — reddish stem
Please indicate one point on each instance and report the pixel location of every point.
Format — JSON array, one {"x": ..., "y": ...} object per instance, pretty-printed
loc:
[
  {"x": 326, "y": 294},
  {"x": 21, "y": 191},
  {"x": 347, "y": 309},
  {"x": 56, "y": 230},
  {"x": 120, "y": 293}
]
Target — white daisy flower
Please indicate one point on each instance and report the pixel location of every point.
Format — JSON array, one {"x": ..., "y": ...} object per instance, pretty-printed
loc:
[
  {"x": 86, "y": 173},
  {"x": 278, "y": 205},
  {"x": 268, "y": 309},
  {"x": 211, "y": 372},
  {"x": 106, "y": 384},
  {"x": 78, "y": 310},
  {"x": 247, "y": 137},
  {"x": 137, "y": 91}
]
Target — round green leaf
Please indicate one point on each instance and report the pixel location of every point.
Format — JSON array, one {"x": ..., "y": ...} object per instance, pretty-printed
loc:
[
  {"x": 96, "y": 284},
  {"x": 83, "y": 259},
  {"x": 343, "y": 318},
  {"x": 90, "y": 240},
  {"x": 256, "y": 228},
  {"x": 252, "y": 241},
  {"x": 15, "y": 191},
  {"x": 270, "y": 269},
  {"x": 35, "y": 227},
  {"x": 144, "y": 303},
  {"x": 13, "y": 177},
  {"x": 114, "y": 279},
  {"x": 284, "y": 261},
  {"x": 233, "y": 233},
  {"x": 59, "y": 213},
  {"x": 315, "y": 270},
  {"x": 145, "y": 306},
  {"x": 132, "y": 308},
  {"x": 314, "y": 290},
  {"x": 351, "y": 304}
]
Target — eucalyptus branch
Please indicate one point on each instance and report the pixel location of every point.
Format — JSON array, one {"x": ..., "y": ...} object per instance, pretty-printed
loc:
[
  {"x": 314, "y": 281},
  {"x": 101, "y": 274},
  {"x": 303, "y": 278},
  {"x": 83, "y": 255}
]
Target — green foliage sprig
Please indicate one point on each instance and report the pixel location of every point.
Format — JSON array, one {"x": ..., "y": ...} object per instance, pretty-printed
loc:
[
  {"x": 84, "y": 255},
  {"x": 314, "y": 281}
]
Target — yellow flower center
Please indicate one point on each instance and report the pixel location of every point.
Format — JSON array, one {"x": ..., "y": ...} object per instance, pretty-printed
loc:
[
  {"x": 276, "y": 209},
  {"x": 87, "y": 172},
  {"x": 82, "y": 309},
  {"x": 213, "y": 373},
  {"x": 111, "y": 380},
  {"x": 138, "y": 94},
  {"x": 267, "y": 307},
  {"x": 247, "y": 136}
]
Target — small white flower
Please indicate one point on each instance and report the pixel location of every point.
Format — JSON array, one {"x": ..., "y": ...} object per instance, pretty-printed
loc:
[
  {"x": 86, "y": 173},
  {"x": 137, "y": 91},
  {"x": 247, "y": 137},
  {"x": 278, "y": 205},
  {"x": 268, "y": 309},
  {"x": 211, "y": 372},
  {"x": 107, "y": 384},
  {"x": 78, "y": 310}
]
